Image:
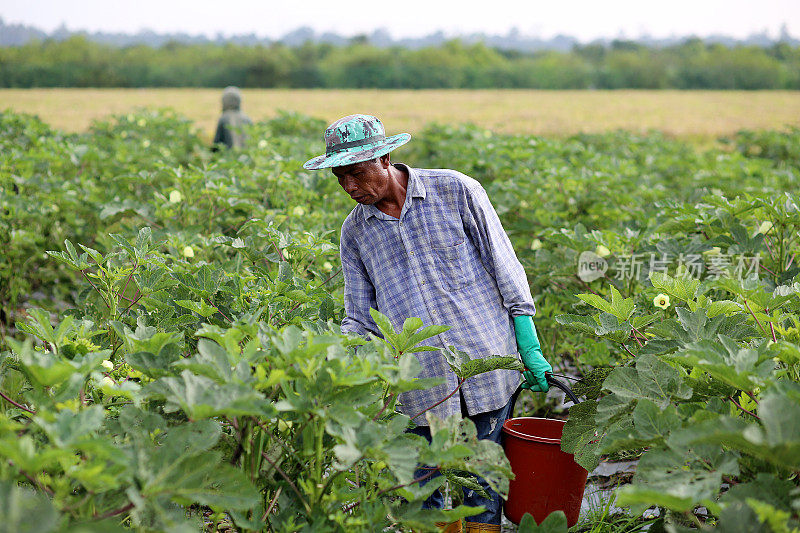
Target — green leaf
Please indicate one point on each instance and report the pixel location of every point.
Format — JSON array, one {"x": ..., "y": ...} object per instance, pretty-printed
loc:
[
  {"x": 651, "y": 379},
  {"x": 151, "y": 279},
  {"x": 38, "y": 324},
  {"x": 654, "y": 424},
  {"x": 201, "y": 397},
  {"x": 609, "y": 326},
  {"x": 385, "y": 327},
  {"x": 579, "y": 436},
  {"x": 555, "y": 522},
  {"x": 96, "y": 256},
  {"x": 622, "y": 307},
  {"x": 201, "y": 307},
  {"x": 722, "y": 307},
  {"x": 25, "y": 511},
  {"x": 467, "y": 481},
  {"x": 465, "y": 367},
  {"x": 724, "y": 360},
  {"x": 603, "y": 325},
  {"x": 766, "y": 487},
  {"x": 145, "y": 338},
  {"x": 411, "y": 325},
  {"x": 66, "y": 428},
  {"x": 326, "y": 309},
  {"x": 777, "y": 441},
  {"x": 143, "y": 241},
  {"x": 684, "y": 289},
  {"x": 584, "y": 324},
  {"x": 779, "y": 409},
  {"x": 456, "y": 446},
  {"x": 123, "y": 243},
  {"x": 776, "y": 519},
  {"x": 154, "y": 365},
  {"x": 677, "y": 481},
  {"x": 46, "y": 369},
  {"x": 210, "y": 361},
  {"x": 738, "y": 517},
  {"x": 205, "y": 282},
  {"x": 597, "y": 302},
  {"x": 184, "y": 471}
]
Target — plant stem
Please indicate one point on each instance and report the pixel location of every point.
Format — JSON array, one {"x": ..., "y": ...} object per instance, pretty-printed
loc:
[
  {"x": 636, "y": 339},
  {"x": 218, "y": 310},
  {"x": 289, "y": 481},
  {"x": 413, "y": 481},
  {"x": 95, "y": 288},
  {"x": 743, "y": 409},
  {"x": 115, "y": 512},
  {"x": 35, "y": 483},
  {"x": 385, "y": 405},
  {"x": 138, "y": 297},
  {"x": 696, "y": 520},
  {"x": 642, "y": 335},
  {"x": 320, "y": 438},
  {"x": 627, "y": 350},
  {"x": 9, "y": 400},
  {"x": 331, "y": 277},
  {"x": 588, "y": 288},
  {"x": 754, "y": 316},
  {"x": 333, "y": 476},
  {"x": 420, "y": 479},
  {"x": 769, "y": 247},
  {"x": 460, "y": 382},
  {"x": 272, "y": 504},
  {"x": 771, "y": 328},
  {"x": 127, "y": 281}
]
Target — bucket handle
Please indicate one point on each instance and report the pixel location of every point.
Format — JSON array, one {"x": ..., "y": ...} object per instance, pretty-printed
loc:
[
  {"x": 551, "y": 381},
  {"x": 561, "y": 385}
]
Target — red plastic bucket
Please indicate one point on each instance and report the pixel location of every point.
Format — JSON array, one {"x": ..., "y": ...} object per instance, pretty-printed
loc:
[{"x": 546, "y": 478}]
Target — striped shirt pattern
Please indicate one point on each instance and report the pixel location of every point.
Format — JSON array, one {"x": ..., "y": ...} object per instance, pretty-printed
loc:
[{"x": 448, "y": 261}]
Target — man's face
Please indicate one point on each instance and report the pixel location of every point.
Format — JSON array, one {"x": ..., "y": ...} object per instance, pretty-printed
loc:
[{"x": 366, "y": 182}]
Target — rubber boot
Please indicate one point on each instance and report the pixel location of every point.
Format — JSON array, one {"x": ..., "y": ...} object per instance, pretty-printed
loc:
[
  {"x": 452, "y": 527},
  {"x": 475, "y": 527}
]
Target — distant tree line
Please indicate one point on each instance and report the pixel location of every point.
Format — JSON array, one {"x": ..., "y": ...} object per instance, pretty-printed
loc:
[{"x": 693, "y": 64}]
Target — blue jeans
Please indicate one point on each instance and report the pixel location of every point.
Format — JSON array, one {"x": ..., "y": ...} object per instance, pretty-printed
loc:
[{"x": 489, "y": 426}]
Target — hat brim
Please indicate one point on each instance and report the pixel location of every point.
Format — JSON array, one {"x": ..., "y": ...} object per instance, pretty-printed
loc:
[{"x": 357, "y": 154}]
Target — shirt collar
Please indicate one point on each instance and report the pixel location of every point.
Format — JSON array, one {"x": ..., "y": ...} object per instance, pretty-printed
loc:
[{"x": 415, "y": 189}]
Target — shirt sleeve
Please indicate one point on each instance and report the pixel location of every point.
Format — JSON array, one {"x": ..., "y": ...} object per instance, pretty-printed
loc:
[
  {"x": 359, "y": 293},
  {"x": 483, "y": 227}
]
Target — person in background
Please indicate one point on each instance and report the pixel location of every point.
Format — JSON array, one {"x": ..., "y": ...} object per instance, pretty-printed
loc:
[
  {"x": 428, "y": 243},
  {"x": 229, "y": 128}
]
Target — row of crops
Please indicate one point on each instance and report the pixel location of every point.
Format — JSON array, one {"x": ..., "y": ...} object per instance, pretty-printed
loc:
[{"x": 170, "y": 357}]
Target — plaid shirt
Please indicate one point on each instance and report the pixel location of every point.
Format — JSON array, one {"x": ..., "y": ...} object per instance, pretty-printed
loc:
[{"x": 447, "y": 261}]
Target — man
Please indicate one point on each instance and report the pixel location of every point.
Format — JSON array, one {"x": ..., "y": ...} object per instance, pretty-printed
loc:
[
  {"x": 428, "y": 243},
  {"x": 229, "y": 127}
]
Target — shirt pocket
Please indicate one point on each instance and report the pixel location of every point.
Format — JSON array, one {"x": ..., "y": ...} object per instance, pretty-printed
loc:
[{"x": 452, "y": 265}]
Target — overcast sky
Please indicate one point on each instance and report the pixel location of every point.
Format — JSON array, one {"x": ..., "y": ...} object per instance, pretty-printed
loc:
[{"x": 584, "y": 19}]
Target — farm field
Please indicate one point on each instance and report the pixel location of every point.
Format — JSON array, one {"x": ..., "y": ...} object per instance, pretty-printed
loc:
[
  {"x": 170, "y": 358},
  {"x": 698, "y": 115}
]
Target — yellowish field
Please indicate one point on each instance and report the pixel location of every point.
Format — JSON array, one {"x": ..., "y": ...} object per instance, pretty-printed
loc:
[{"x": 689, "y": 114}]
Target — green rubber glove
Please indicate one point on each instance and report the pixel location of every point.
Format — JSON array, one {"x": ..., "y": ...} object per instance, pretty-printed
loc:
[{"x": 531, "y": 352}]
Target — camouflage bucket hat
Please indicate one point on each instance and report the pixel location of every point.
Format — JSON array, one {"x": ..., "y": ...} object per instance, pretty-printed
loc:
[{"x": 353, "y": 139}]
